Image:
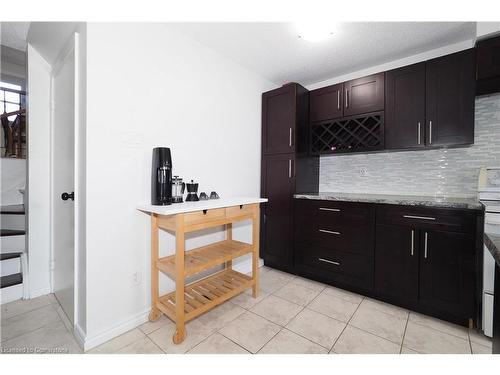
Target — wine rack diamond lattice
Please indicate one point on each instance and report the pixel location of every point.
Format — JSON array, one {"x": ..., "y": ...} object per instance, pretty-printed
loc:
[{"x": 356, "y": 134}]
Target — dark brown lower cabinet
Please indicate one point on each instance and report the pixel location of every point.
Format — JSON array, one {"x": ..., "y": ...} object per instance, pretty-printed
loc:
[
  {"x": 431, "y": 271},
  {"x": 424, "y": 259},
  {"x": 278, "y": 186},
  {"x": 447, "y": 281},
  {"x": 396, "y": 259}
]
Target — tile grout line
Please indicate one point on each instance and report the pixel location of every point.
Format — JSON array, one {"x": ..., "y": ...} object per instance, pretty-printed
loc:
[
  {"x": 341, "y": 333},
  {"x": 36, "y": 329},
  {"x": 470, "y": 343},
  {"x": 279, "y": 325},
  {"x": 440, "y": 331},
  {"x": 404, "y": 333},
  {"x": 55, "y": 302}
]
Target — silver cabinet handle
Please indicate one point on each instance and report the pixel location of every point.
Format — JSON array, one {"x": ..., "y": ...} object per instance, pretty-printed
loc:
[
  {"x": 412, "y": 241},
  {"x": 289, "y": 168},
  {"x": 347, "y": 98},
  {"x": 329, "y": 261},
  {"x": 419, "y": 217},
  {"x": 329, "y": 209},
  {"x": 338, "y": 99},
  {"x": 290, "y": 138},
  {"x": 328, "y": 231},
  {"x": 430, "y": 132},
  {"x": 418, "y": 132},
  {"x": 425, "y": 245}
]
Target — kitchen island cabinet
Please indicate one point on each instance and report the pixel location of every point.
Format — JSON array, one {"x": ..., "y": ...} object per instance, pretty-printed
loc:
[{"x": 191, "y": 300}]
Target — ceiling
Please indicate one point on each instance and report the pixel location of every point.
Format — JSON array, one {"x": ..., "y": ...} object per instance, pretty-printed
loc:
[
  {"x": 13, "y": 34},
  {"x": 274, "y": 50}
]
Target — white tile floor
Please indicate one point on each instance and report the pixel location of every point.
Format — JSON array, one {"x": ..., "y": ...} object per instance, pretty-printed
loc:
[
  {"x": 36, "y": 326},
  {"x": 291, "y": 315}
]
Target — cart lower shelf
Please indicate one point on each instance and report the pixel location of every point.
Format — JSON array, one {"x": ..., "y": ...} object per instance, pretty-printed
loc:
[{"x": 207, "y": 293}]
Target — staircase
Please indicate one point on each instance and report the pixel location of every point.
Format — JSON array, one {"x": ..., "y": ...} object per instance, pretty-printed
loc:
[{"x": 13, "y": 264}]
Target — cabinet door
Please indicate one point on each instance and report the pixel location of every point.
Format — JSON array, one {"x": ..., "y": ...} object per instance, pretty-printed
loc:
[
  {"x": 277, "y": 187},
  {"x": 447, "y": 278},
  {"x": 488, "y": 58},
  {"x": 364, "y": 95},
  {"x": 405, "y": 107},
  {"x": 326, "y": 103},
  {"x": 450, "y": 95},
  {"x": 396, "y": 263},
  {"x": 278, "y": 120},
  {"x": 488, "y": 66}
]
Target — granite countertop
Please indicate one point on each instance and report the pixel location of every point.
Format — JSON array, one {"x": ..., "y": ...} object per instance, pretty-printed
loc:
[
  {"x": 410, "y": 200},
  {"x": 492, "y": 241}
]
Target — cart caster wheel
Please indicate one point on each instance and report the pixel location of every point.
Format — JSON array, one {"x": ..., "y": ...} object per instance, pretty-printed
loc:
[
  {"x": 179, "y": 336},
  {"x": 154, "y": 315}
]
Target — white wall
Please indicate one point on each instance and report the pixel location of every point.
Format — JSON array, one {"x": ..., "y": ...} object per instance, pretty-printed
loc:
[
  {"x": 148, "y": 86},
  {"x": 38, "y": 182},
  {"x": 80, "y": 180}
]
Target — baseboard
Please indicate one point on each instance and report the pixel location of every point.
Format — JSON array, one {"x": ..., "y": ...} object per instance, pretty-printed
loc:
[
  {"x": 11, "y": 293},
  {"x": 79, "y": 335},
  {"x": 246, "y": 265},
  {"x": 91, "y": 342},
  {"x": 40, "y": 292},
  {"x": 116, "y": 330}
]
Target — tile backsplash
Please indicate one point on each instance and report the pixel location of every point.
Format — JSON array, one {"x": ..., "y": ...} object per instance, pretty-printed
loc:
[{"x": 450, "y": 172}]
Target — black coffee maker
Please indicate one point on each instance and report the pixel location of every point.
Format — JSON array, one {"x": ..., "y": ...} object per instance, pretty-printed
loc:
[{"x": 161, "y": 177}]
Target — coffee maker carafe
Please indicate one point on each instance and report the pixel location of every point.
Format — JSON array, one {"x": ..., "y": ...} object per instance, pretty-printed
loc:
[
  {"x": 161, "y": 177},
  {"x": 177, "y": 189},
  {"x": 192, "y": 189}
]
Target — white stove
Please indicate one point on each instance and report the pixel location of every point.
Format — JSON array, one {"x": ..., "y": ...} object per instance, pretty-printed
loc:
[{"x": 489, "y": 195}]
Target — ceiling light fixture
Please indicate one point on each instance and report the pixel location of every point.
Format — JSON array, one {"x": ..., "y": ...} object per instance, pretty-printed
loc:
[{"x": 314, "y": 31}]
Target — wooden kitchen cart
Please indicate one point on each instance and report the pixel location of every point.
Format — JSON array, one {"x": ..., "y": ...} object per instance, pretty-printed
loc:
[{"x": 191, "y": 300}]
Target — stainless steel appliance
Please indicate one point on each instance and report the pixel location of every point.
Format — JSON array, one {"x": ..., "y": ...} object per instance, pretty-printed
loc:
[
  {"x": 177, "y": 189},
  {"x": 489, "y": 195}
]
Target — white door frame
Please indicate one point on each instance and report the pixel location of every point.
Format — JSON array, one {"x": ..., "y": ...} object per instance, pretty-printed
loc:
[{"x": 72, "y": 46}]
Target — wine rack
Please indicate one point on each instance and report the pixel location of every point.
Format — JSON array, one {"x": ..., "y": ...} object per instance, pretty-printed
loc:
[{"x": 353, "y": 134}]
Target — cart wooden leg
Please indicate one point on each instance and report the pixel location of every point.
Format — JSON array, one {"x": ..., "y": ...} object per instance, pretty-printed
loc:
[
  {"x": 255, "y": 254},
  {"x": 229, "y": 236},
  {"x": 180, "y": 322},
  {"x": 154, "y": 313}
]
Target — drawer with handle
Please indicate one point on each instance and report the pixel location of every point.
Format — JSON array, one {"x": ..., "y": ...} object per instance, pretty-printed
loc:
[
  {"x": 350, "y": 269},
  {"x": 335, "y": 211},
  {"x": 428, "y": 218},
  {"x": 335, "y": 235}
]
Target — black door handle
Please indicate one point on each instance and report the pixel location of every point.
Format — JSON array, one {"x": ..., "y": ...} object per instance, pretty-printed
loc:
[{"x": 65, "y": 196}]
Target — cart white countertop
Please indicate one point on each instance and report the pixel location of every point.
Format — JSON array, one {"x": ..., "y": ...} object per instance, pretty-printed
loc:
[{"x": 179, "y": 208}]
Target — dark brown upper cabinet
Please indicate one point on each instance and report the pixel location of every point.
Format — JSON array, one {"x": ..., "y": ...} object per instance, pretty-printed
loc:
[
  {"x": 488, "y": 66},
  {"x": 286, "y": 168},
  {"x": 450, "y": 95},
  {"x": 364, "y": 95},
  {"x": 326, "y": 103},
  {"x": 405, "y": 107},
  {"x": 431, "y": 104},
  {"x": 279, "y": 120}
]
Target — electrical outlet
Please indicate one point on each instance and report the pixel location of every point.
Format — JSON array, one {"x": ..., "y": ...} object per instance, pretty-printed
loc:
[
  {"x": 136, "y": 278},
  {"x": 363, "y": 172}
]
